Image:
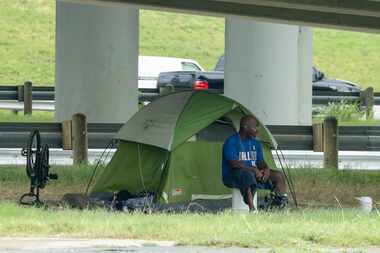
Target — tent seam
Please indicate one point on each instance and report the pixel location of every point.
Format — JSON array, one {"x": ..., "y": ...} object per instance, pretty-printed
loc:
[{"x": 179, "y": 116}]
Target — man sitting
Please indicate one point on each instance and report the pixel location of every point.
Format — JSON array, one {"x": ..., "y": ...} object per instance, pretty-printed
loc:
[{"x": 243, "y": 165}]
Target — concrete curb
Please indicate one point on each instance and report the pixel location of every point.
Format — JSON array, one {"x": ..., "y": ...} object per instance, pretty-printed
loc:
[{"x": 40, "y": 243}]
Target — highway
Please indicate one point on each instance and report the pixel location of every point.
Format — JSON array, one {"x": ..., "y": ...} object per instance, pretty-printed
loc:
[
  {"x": 295, "y": 159},
  {"x": 49, "y": 106},
  {"x": 19, "y": 106},
  {"x": 347, "y": 159}
]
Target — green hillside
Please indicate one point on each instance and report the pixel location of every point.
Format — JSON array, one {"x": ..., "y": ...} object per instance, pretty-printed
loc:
[{"x": 27, "y": 43}]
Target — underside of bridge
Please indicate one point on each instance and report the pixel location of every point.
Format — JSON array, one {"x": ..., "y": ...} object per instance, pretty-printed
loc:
[{"x": 361, "y": 15}]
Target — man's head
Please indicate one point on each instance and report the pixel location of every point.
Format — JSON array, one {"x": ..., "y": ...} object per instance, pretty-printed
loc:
[{"x": 248, "y": 126}]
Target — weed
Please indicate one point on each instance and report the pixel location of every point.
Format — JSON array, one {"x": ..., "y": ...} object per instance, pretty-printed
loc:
[{"x": 343, "y": 111}]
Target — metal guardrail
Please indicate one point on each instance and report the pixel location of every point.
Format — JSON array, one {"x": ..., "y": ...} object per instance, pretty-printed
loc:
[
  {"x": 360, "y": 138},
  {"x": 15, "y": 135},
  {"x": 293, "y": 137},
  {"x": 38, "y": 93},
  {"x": 325, "y": 97},
  {"x": 351, "y": 138},
  {"x": 47, "y": 93}
]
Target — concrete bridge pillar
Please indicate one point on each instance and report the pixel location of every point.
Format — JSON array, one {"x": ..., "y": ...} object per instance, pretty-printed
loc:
[
  {"x": 305, "y": 80},
  {"x": 96, "y": 61},
  {"x": 268, "y": 69}
]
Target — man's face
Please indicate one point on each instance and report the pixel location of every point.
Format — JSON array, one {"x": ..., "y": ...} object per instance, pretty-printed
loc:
[{"x": 251, "y": 128}]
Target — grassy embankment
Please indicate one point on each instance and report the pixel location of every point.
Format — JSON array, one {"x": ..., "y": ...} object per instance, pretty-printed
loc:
[
  {"x": 27, "y": 43},
  {"x": 10, "y": 116}
]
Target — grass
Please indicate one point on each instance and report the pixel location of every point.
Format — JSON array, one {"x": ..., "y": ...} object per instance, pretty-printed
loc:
[
  {"x": 182, "y": 35},
  {"x": 295, "y": 229},
  {"x": 27, "y": 43},
  {"x": 360, "y": 123},
  {"x": 305, "y": 229},
  {"x": 14, "y": 182},
  {"x": 37, "y": 116},
  {"x": 347, "y": 114},
  {"x": 27, "y": 40},
  {"x": 348, "y": 55},
  {"x": 321, "y": 187},
  {"x": 370, "y": 122},
  {"x": 315, "y": 187}
]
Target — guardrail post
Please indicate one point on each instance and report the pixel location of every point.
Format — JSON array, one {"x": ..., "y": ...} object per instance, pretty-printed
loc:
[
  {"x": 20, "y": 96},
  {"x": 28, "y": 98},
  {"x": 318, "y": 137},
  {"x": 367, "y": 101},
  {"x": 20, "y": 93},
  {"x": 66, "y": 135},
  {"x": 80, "y": 139},
  {"x": 330, "y": 143}
]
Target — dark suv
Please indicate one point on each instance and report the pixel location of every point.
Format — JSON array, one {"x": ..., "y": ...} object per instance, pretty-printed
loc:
[{"x": 320, "y": 81}]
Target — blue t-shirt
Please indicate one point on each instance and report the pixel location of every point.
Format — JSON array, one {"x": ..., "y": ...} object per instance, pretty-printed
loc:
[{"x": 247, "y": 150}]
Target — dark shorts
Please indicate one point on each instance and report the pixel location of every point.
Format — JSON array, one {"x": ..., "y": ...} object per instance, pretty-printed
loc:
[{"x": 243, "y": 180}]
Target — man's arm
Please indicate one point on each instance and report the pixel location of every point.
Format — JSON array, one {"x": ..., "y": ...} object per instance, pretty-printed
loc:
[
  {"x": 235, "y": 164},
  {"x": 261, "y": 164}
]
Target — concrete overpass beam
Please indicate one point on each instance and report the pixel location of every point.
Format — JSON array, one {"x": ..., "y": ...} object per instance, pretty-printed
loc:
[
  {"x": 360, "y": 15},
  {"x": 262, "y": 70},
  {"x": 96, "y": 61}
]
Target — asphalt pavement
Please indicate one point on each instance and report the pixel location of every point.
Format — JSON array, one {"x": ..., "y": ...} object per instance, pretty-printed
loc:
[
  {"x": 67, "y": 245},
  {"x": 59, "y": 245}
]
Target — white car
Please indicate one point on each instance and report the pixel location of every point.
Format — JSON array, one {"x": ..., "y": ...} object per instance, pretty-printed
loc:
[{"x": 151, "y": 66}]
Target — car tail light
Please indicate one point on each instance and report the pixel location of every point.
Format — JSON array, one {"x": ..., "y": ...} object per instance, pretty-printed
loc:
[{"x": 200, "y": 85}]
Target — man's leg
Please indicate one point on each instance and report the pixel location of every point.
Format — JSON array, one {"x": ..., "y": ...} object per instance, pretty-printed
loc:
[
  {"x": 250, "y": 199},
  {"x": 246, "y": 182},
  {"x": 278, "y": 180}
]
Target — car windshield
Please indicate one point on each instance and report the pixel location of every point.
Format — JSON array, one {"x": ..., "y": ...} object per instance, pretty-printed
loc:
[
  {"x": 220, "y": 64},
  {"x": 189, "y": 66},
  {"x": 317, "y": 75}
]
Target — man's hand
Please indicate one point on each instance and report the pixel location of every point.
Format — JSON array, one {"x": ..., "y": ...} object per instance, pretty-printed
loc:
[
  {"x": 258, "y": 173},
  {"x": 266, "y": 174}
]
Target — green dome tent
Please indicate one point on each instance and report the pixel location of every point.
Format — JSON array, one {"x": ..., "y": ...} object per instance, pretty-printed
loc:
[{"x": 173, "y": 147}]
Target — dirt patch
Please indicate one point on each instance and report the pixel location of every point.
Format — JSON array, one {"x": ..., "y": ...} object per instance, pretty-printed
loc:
[{"x": 313, "y": 187}]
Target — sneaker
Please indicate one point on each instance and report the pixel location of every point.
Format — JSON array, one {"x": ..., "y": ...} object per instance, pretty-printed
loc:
[{"x": 280, "y": 200}]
